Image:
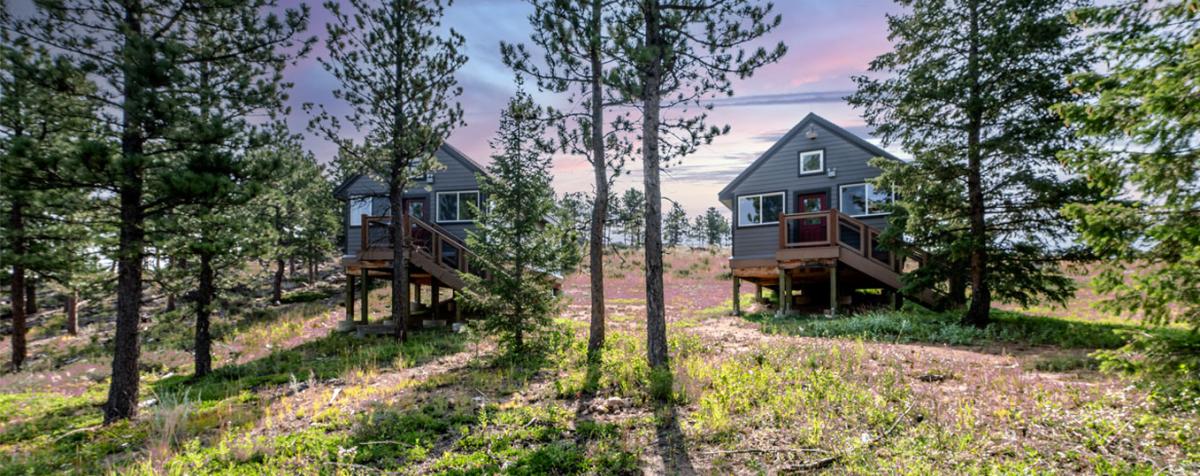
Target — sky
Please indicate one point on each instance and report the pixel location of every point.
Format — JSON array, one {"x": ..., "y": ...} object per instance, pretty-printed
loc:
[{"x": 828, "y": 42}]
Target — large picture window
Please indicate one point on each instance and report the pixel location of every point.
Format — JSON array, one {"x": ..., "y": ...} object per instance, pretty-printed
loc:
[
  {"x": 812, "y": 162},
  {"x": 454, "y": 206},
  {"x": 761, "y": 209},
  {"x": 862, "y": 199},
  {"x": 359, "y": 206}
]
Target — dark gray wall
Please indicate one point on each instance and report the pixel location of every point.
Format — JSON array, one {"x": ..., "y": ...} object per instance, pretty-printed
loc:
[
  {"x": 455, "y": 176},
  {"x": 780, "y": 172}
]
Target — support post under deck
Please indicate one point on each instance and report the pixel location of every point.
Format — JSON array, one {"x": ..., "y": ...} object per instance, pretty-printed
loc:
[
  {"x": 434, "y": 291},
  {"x": 785, "y": 292},
  {"x": 833, "y": 290},
  {"x": 758, "y": 293},
  {"x": 366, "y": 291},
  {"x": 349, "y": 297},
  {"x": 737, "y": 298}
]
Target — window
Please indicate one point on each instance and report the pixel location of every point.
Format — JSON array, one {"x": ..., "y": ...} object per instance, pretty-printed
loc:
[
  {"x": 453, "y": 206},
  {"x": 812, "y": 162},
  {"x": 359, "y": 206},
  {"x": 414, "y": 172},
  {"x": 862, "y": 199},
  {"x": 759, "y": 209}
]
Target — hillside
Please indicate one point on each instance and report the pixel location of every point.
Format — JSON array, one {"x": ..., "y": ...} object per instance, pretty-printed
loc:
[{"x": 898, "y": 392}]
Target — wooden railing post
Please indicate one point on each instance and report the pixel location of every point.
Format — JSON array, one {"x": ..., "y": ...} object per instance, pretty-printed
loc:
[
  {"x": 364, "y": 229},
  {"x": 831, "y": 222}
]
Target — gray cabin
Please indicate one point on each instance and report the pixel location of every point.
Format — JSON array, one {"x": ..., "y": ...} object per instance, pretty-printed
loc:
[
  {"x": 806, "y": 221},
  {"x": 436, "y": 219}
]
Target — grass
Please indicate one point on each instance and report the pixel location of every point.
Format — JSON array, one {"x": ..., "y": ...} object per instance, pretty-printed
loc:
[{"x": 917, "y": 326}]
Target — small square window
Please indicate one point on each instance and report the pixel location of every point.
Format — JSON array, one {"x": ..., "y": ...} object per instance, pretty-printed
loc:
[{"x": 812, "y": 162}]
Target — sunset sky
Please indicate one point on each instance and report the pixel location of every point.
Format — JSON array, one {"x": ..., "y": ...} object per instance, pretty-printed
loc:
[{"x": 828, "y": 42}]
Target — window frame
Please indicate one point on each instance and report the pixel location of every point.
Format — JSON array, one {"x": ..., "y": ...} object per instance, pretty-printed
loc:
[
  {"x": 737, "y": 200},
  {"x": 357, "y": 217},
  {"x": 800, "y": 162},
  {"x": 437, "y": 205},
  {"x": 867, "y": 187}
]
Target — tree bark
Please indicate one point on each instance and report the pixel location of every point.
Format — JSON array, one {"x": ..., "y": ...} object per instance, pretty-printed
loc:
[
  {"x": 16, "y": 223},
  {"x": 978, "y": 314},
  {"x": 277, "y": 282},
  {"x": 656, "y": 324},
  {"x": 170, "y": 302},
  {"x": 72, "y": 311},
  {"x": 312, "y": 271},
  {"x": 600, "y": 205},
  {"x": 204, "y": 298},
  {"x": 292, "y": 267},
  {"x": 31, "y": 303},
  {"x": 123, "y": 390},
  {"x": 400, "y": 278}
]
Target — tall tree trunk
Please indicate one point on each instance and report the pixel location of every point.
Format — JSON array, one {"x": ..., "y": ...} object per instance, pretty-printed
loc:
[
  {"x": 16, "y": 223},
  {"x": 400, "y": 247},
  {"x": 170, "y": 302},
  {"x": 123, "y": 389},
  {"x": 72, "y": 311},
  {"x": 277, "y": 282},
  {"x": 204, "y": 298},
  {"x": 31, "y": 303},
  {"x": 978, "y": 314},
  {"x": 656, "y": 323},
  {"x": 312, "y": 271},
  {"x": 600, "y": 207},
  {"x": 292, "y": 267}
]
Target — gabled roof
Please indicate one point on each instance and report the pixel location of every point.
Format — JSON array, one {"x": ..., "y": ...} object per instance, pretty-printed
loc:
[
  {"x": 469, "y": 163},
  {"x": 810, "y": 119}
]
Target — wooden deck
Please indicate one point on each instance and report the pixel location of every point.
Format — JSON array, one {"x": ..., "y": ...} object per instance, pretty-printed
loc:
[{"x": 826, "y": 256}]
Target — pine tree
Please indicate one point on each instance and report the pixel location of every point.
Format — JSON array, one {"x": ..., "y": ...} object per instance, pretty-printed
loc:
[
  {"x": 968, "y": 92},
  {"x": 38, "y": 117},
  {"x": 519, "y": 251},
  {"x": 675, "y": 225},
  {"x": 677, "y": 53},
  {"x": 572, "y": 35},
  {"x": 633, "y": 205},
  {"x": 1137, "y": 112},
  {"x": 139, "y": 53},
  {"x": 397, "y": 76},
  {"x": 716, "y": 227}
]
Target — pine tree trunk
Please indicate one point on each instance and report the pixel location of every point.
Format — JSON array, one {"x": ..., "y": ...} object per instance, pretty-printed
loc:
[
  {"x": 981, "y": 299},
  {"x": 72, "y": 311},
  {"x": 400, "y": 279},
  {"x": 16, "y": 223},
  {"x": 292, "y": 267},
  {"x": 656, "y": 324},
  {"x": 312, "y": 272},
  {"x": 170, "y": 302},
  {"x": 277, "y": 282},
  {"x": 600, "y": 207},
  {"x": 31, "y": 303},
  {"x": 204, "y": 298},
  {"x": 123, "y": 389}
]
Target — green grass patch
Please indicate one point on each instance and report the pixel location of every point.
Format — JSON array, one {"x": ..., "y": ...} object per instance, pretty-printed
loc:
[{"x": 945, "y": 328}]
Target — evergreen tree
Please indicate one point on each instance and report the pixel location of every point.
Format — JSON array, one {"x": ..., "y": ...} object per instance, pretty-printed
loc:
[
  {"x": 140, "y": 54},
  {"x": 38, "y": 118},
  {"x": 675, "y": 225},
  {"x": 518, "y": 249},
  {"x": 1137, "y": 111},
  {"x": 633, "y": 204},
  {"x": 968, "y": 92},
  {"x": 678, "y": 53},
  {"x": 397, "y": 76},
  {"x": 716, "y": 227},
  {"x": 572, "y": 35}
]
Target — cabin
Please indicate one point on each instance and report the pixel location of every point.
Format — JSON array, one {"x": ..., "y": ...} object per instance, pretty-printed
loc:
[
  {"x": 806, "y": 222},
  {"x": 437, "y": 218}
]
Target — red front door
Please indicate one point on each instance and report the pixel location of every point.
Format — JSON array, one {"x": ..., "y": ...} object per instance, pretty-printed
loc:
[
  {"x": 418, "y": 208},
  {"x": 811, "y": 229}
]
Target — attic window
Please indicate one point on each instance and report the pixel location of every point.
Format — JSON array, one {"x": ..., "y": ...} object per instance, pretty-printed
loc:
[{"x": 812, "y": 162}]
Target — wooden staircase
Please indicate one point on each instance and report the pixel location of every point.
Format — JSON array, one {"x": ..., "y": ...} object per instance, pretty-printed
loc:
[{"x": 436, "y": 253}]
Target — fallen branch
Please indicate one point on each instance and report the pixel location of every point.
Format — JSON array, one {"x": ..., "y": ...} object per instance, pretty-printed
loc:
[
  {"x": 765, "y": 450},
  {"x": 77, "y": 430},
  {"x": 360, "y": 467}
]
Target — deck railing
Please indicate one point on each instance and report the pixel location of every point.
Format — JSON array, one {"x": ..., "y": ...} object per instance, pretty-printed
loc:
[
  {"x": 428, "y": 238},
  {"x": 829, "y": 227}
]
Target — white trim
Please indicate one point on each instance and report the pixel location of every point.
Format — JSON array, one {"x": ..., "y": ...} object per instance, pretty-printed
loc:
[
  {"x": 437, "y": 205},
  {"x": 820, "y": 154},
  {"x": 867, "y": 201},
  {"x": 775, "y": 220}
]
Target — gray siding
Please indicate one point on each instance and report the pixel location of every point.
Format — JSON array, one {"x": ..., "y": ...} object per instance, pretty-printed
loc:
[
  {"x": 780, "y": 172},
  {"x": 454, "y": 176}
]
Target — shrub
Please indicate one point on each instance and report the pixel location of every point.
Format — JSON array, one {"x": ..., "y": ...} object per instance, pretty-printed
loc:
[{"x": 1165, "y": 364}]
